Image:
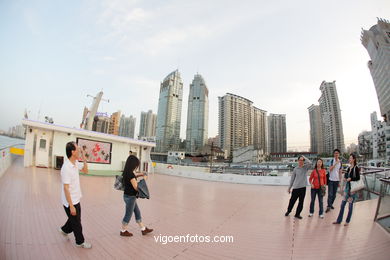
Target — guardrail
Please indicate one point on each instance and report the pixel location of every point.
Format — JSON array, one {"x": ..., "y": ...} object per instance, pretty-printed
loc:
[
  {"x": 372, "y": 181},
  {"x": 7, "y": 157},
  {"x": 382, "y": 214}
]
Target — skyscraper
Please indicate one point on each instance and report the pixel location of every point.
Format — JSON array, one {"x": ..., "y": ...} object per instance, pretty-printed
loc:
[
  {"x": 127, "y": 126},
  {"x": 316, "y": 136},
  {"x": 235, "y": 127},
  {"x": 377, "y": 42},
  {"x": 114, "y": 123},
  {"x": 260, "y": 129},
  {"x": 101, "y": 123},
  {"x": 197, "y": 115},
  {"x": 169, "y": 113},
  {"x": 147, "y": 127},
  {"x": 277, "y": 133},
  {"x": 332, "y": 125}
]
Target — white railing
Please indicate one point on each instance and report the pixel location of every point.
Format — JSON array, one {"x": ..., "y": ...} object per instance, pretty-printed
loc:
[
  {"x": 6, "y": 159},
  {"x": 202, "y": 173}
]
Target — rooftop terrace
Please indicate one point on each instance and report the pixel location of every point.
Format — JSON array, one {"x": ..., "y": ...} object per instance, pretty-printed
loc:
[{"x": 31, "y": 213}]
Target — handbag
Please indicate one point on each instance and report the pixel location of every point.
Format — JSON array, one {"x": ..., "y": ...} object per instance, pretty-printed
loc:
[
  {"x": 357, "y": 185},
  {"x": 143, "y": 191},
  {"x": 118, "y": 184},
  {"x": 322, "y": 187}
]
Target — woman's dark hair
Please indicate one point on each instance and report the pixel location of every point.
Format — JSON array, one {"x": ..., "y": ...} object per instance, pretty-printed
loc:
[
  {"x": 315, "y": 165},
  {"x": 300, "y": 156},
  {"x": 336, "y": 150},
  {"x": 354, "y": 159},
  {"x": 70, "y": 146},
  {"x": 132, "y": 163}
]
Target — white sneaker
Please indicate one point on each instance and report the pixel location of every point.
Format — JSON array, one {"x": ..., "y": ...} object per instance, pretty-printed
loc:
[
  {"x": 321, "y": 216},
  {"x": 85, "y": 245},
  {"x": 311, "y": 215},
  {"x": 63, "y": 233}
]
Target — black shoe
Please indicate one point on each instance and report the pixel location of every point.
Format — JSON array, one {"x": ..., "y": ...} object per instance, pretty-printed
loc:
[
  {"x": 331, "y": 207},
  {"x": 287, "y": 213},
  {"x": 327, "y": 210},
  {"x": 299, "y": 217}
]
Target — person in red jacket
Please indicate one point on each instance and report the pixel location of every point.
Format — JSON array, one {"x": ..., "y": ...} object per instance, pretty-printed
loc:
[{"x": 317, "y": 179}]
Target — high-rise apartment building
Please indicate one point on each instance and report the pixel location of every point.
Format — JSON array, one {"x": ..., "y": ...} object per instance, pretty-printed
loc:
[
  {"x": 147, "y": 127},
  {"x": 316, "y": 136},
  {"x": 260, "y": 129},
  {"x": 197, "y": 115},
  {"x": 169, "y": 113},
  {"x": 332, "y": 125},
  {"x": 127, "y": 126},
  {"x": 101, "y": 123},
  {"x": 235, "y": 127},
  {"x": 277, "y": 136},
  {"x": 114, "y": 123},
  {"x": 377, "y": 42}
]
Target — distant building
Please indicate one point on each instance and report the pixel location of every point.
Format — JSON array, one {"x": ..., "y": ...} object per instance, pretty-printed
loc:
[
  {"x": 18, "y": 131},
  {"x": 197, "y": 116},
  {"x": 365, "y": 145},
  {"x": 147, "y": 125},
  {"x": 377, "y": 42},
  {"x": 169, "y": 113},
  {"x": 235, "y": 127},
  {"x": 114, "y": 123},
  {"x": 332, "y": 125},
  {"x": 127, "y": 126},
  {"x": 213, "y": 140},
  {"x": 380, "y": 136},
  {"x": 101, "y": 123},
  {"x": 260, "y": 130},
  {"x": 277, "y": 136},
  {"x": 248, "y": 154},
  {"x": 316, "y": 136}
]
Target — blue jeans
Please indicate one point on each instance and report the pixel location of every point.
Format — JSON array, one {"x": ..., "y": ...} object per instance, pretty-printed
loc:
[
  {"x": 332, "y": 191},
  {"x": 315, "y": 192},
  {"x": 131, "y": 206},
  {"x": 341, "y": 213}
]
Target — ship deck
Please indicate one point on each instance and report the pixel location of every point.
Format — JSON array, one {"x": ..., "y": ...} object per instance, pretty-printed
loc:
[{"x": 31, "y": 212}]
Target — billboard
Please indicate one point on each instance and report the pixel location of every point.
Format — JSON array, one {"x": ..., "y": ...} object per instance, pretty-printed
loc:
[{"x": 95, "y": 151}]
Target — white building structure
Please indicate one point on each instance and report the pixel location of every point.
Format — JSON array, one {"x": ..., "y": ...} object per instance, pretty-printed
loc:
[{"x": 45, "y": 144}]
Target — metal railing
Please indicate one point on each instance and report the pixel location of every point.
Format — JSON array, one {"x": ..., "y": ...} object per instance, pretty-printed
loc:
[
  {"x": 371, "y": 178},
  {"x": 382, "y": 214}
]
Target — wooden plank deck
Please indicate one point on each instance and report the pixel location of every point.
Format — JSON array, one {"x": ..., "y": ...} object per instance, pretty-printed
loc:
[{"x": 31, "y": 212}]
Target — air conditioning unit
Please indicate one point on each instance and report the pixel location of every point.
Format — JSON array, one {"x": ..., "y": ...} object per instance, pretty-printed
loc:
[{"x": 59, "y": 162}]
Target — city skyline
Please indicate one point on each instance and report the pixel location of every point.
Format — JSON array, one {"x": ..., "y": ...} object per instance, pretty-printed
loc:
[{"x": 78, "y": 49}]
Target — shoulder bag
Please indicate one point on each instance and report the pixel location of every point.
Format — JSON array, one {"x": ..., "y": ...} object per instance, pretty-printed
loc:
[
  {"x": 118, "y": 184},
  {"x": 356, "y": 185}
]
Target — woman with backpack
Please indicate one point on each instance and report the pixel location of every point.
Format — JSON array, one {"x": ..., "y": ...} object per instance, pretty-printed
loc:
[
  {"x": 318, "y": 186},
  {"x": 129, "y": 196},
  {"x": 351, "y": 175}
]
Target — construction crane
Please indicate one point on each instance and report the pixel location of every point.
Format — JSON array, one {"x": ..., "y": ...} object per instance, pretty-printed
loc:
[{"x": 88, "y": 120}]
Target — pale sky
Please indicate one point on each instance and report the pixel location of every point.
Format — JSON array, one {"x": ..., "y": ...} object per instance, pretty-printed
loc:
[{"x": 275, "y": 53}]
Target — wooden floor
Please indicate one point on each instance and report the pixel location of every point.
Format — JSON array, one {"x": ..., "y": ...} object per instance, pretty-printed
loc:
[{"x": 31, "y": 212}]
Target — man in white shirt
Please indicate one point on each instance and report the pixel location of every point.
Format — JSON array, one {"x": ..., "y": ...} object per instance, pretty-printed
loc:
[
  {"x": 334, "y": 179},
  {"x": 71, "y": 193}
]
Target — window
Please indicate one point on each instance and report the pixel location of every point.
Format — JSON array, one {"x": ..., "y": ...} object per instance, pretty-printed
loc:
[{"x": 42, "y": 143}]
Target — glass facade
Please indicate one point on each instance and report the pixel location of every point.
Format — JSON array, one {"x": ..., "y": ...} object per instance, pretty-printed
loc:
[{"x": 197, "y": 115}]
